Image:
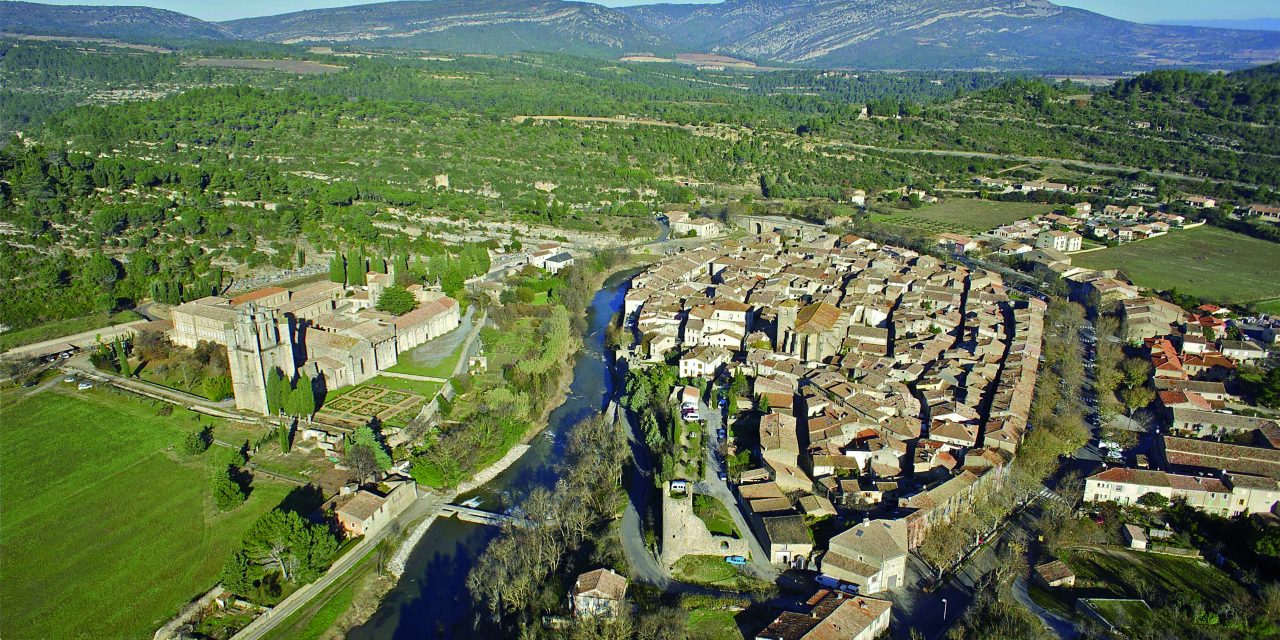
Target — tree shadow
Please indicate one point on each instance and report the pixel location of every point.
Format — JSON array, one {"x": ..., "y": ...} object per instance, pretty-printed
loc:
[{"x": 304, "y": 500}]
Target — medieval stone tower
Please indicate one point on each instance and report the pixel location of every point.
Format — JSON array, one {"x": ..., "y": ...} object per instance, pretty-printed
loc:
[
  {"x": 258, "y": 342},
  {"x": 787, "y": 312}
]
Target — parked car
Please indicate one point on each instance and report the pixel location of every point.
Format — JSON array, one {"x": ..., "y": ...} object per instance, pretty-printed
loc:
[
  {"x": 692, "y": 417},
  {"x": 736, "y": 561},
  {"x": 69, "y": 379},
  {"x": 84, "y": 385},
  {"x": 722, "y": 434},
  {"x": 834, "y": 583},
  {"x": 723, "y": 476}
]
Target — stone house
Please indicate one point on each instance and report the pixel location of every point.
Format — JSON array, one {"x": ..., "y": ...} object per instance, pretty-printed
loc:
[
  {"x": 598, "y": 594},
  {"x": 872, "y": 555}
]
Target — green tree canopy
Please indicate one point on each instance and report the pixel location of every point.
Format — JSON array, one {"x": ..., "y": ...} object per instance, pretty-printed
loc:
[
  {"x": 284, "y": 541},
  {"x": 397, "y": 301}
]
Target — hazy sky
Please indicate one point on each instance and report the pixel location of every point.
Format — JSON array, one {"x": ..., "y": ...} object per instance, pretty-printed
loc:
[{"x": 1136, "y": 10}]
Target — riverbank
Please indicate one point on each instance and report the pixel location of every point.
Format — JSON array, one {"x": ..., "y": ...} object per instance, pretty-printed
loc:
[{"x": 404, "y": 565}]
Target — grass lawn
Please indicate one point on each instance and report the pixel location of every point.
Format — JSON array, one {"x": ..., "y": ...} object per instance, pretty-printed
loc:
[
  {"x": 711, "y": 571},
  {"x": 713, "y": 624},
  {"x": 540, "y": 298},
  {"x": 442, "y": 369},
  {"x": 714, "y": 515},
  {"x": 58, "y": 328},
  {"x": 1122, "y": 613},
  {"x": 1058, "y": 601},
  {"x": 1119, "y": 571},
  {"x": 1206, "y": 262},
  {"x": 107, "y": 530}
]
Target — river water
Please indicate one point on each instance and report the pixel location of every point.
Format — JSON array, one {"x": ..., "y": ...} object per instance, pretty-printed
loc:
[{"x": 431, "y": 599}]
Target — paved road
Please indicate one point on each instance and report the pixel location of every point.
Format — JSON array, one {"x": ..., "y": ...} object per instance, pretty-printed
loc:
[
  {"x": 644, "y": 567},
  {"x": 1101, "y": 166},
  {"x": 84, "y": 339},
  {"x": 1060, "y": 626},
  {"x": 712, "y": 485},
  {"x": 264, "y": 623}
]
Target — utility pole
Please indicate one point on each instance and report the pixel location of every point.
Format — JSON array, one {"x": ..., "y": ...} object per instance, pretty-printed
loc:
[{"x": 944, "y": 609}]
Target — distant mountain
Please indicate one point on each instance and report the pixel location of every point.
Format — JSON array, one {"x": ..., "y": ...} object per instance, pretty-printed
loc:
[
  {"x": 491, "y": 26},
  {"x": 1256, "y": 24},
  {"x": 1031, "y": 35},
  {"x": 128, "y": 23},
  {"x": 994, "y": 34}
]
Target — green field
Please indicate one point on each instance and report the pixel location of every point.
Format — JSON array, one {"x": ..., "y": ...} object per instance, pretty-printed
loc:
[
  {"x": 425, "y": 388},
  {"x": 107, "y": 530},
  {"x": 1206, "y": 262},
  {"x": 1122, "y": 613},
  {"x": 1270, "y": 307},
  {"x": 963, "y": 215}
]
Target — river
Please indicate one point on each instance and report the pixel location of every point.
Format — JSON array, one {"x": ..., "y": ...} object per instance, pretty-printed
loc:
[{"x": 431, "y": 599}]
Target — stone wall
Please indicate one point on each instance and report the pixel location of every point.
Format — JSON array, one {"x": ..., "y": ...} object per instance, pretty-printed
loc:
[{"x": 684, "y": 534}]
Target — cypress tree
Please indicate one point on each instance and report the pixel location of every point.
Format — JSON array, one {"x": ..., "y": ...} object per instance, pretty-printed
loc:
[
  {"x": 123, "y": 358},
  {"x": 337, "y": 270},
  {"x": 277, "y": 391}
]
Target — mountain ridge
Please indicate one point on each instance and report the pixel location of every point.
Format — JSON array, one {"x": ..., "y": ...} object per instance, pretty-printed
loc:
[{"x": 997, "y": 35}]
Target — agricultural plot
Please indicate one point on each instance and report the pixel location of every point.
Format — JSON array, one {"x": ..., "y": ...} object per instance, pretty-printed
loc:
[
  {"x": 964, "y": 216},
  {"x": 108, "y": 530},
  {"x": 1206, "y": 262}
]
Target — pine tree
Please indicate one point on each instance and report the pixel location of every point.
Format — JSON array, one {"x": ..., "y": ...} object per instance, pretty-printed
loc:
[
  {"x": 227, "y": 493},
  {"x": 237, "y": 573},
  {"x": 285, "y": 433}
]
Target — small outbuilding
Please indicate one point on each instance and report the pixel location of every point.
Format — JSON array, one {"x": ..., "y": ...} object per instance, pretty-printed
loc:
[
  {"x": 1055, "y": 574},
  {"x": 1135, "y": 537}
]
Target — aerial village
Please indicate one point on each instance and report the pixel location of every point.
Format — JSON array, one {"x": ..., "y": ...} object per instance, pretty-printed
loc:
[{"x": 884, "y": 379}]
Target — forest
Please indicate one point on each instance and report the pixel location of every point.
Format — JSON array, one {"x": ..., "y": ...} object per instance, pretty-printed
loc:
[{"x": 142, "y": 177}]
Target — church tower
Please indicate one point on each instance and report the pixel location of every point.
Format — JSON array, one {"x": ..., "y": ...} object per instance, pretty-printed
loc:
[{"x": 258, "y": 342}]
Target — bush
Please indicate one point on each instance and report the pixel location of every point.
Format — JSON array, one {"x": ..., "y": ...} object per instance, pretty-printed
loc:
[{"x": 217, "y": 388}]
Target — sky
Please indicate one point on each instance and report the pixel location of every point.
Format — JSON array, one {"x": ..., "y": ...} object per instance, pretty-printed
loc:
[{"x": 1135, "y": 10}]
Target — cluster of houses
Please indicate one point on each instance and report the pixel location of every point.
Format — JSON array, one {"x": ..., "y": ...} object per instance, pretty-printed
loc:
[
  {"x": 1051, "y": 236},
  {"x": 1209, "y": 454},
  {"x": 601, "y": 594},
  {"x": 325, "y": 330},
  {"x": 896, "y": 384}
]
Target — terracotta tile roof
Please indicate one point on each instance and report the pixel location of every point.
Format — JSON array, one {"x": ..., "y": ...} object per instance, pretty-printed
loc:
[
  {"x": 1054, "y": 571},
  {"x": 257, "y": 295},
  {"x": 601, "y": 583},
  {"x": 426, "y": 312},
  {"x": 817, "y": 318}
]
